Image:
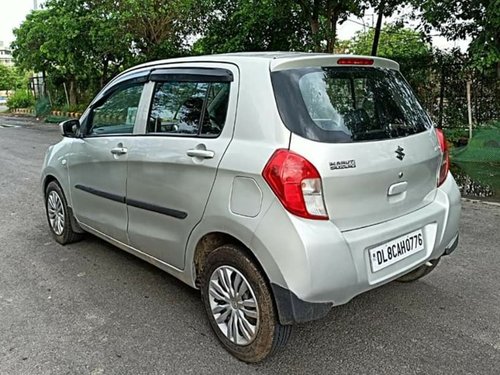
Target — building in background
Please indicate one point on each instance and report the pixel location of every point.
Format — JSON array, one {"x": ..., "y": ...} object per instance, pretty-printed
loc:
[{"x": 5, "y": 55}]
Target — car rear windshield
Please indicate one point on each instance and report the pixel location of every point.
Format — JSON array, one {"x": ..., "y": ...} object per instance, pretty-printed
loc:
[{"x": 342, "y": 105}]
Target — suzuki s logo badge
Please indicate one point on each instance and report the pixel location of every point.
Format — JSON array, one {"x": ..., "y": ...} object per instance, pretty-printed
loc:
[{"x": 399, "y": 153}]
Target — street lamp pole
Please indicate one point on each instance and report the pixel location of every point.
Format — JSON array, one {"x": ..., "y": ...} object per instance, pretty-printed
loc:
[{"x": 35, "y": 4}]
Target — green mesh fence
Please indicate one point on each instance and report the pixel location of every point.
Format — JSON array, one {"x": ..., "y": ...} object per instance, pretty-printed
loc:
[
  {"x": 476, "y": 167},
  {"x": 484, "y": 146}
]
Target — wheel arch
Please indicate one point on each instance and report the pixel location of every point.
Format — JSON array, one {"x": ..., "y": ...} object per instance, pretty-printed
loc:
[
  {"x": 47, "y": 180},
  {"x": 210, "y": 242}
]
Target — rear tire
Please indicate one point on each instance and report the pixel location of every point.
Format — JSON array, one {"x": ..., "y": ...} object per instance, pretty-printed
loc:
[
  {"x": 58, "y": 215},
  {"x": 419, "y": 272},
  {"x": 240, "y": 306}
]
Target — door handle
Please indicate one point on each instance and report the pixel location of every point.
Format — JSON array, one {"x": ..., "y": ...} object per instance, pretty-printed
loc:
[
  {"x": 200, "y": 153},
  {"x": 119, "y": 151}
]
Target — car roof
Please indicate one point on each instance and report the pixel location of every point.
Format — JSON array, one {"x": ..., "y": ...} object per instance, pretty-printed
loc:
[{"x": 274, "y": 60}]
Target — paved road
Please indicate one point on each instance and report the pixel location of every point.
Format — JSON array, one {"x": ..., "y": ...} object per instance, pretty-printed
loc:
[{"x": 89, "y": 308}]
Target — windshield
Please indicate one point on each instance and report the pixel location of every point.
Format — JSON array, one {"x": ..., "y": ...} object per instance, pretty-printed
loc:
[{"x": 341, "y": 104}]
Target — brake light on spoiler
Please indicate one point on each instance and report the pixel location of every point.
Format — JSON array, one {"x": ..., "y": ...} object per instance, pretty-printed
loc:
[{"x": 355, "y": 61}]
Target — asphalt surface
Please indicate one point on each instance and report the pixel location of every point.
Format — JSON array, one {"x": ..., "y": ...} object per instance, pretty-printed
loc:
[{"x": 90, "y": 308}]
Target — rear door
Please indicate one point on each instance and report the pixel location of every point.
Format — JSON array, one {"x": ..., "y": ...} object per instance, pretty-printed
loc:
[
  {"x": 370, "y": 140},
  {"x": 172, "y": 169}
]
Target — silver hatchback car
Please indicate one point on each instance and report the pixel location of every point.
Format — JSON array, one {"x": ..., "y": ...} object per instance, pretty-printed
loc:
[{"x": 279, "y": 184}]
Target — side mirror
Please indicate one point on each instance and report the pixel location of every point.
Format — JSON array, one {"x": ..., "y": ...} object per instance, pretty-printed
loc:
[{"x": 70, "y": 128}]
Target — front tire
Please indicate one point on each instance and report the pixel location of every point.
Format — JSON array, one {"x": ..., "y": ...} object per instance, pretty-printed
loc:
[
  {"x": 58, "y": 215},
  {"x": 240, "y": 306}
]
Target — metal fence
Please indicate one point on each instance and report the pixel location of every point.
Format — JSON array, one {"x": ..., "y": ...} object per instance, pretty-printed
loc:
[{"x": 442, "y": 89}]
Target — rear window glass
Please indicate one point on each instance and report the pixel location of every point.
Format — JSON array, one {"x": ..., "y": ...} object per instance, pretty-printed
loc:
[{"x": 348, "y": 104}]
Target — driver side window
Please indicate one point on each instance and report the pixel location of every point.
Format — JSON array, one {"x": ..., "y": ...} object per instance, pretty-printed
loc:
[{"x": 116, "y": 115}]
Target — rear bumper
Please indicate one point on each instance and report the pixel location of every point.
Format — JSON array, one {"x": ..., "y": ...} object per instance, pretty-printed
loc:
[
  {"x": 451, "y": 248},
  {"x": 322, "y": 267}
]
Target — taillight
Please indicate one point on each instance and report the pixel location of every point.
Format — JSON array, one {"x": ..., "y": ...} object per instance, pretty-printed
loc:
[
  {"x": 445, "y": 162},
  {"x": 354, "y": 61},
  {"x": 296, "y": 183}
]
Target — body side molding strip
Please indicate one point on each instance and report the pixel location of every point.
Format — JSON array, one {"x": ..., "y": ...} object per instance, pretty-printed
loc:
[
  {"x": 100, "y": 193},
  {"x": 134, "y": 203},
  {"x": 159, "y": 209}
]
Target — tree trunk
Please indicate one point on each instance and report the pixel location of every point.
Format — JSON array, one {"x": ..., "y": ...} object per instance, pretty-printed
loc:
[
  {"x": 314, "y": 21},
  {"x": 314, "y": 26},
  {"x": 332, "y": 14},
  {"x": 315, "y": 34},
  {"x": 378, "y": 27},
  {"x": 72, "y": 92},
  {"x": 332, "y": 38}
]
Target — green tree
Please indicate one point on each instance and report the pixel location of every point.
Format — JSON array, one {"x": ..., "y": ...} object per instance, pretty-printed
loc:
[
  {"x": 383, "y": 8},
  {"x": 158, "y": 28},
  {"x": 477, "y": 19},
  {"x": 81, "y": 44},
  {"x": 325, "y": 15},
  {"x": 396, "y": 42},
  {"x": 58, "y": 41},
  {"x": 6, "y": 78},
  {"x": 30, "y": 37},
  {"x": 248, "y": 25},
  {"x": 408, "y": 47},
  {"x": 11, "y": 78},
  {"x": 260, "y": 25}
]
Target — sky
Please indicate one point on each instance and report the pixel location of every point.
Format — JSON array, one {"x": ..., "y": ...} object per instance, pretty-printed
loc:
[{"x": 13, "y": 12}]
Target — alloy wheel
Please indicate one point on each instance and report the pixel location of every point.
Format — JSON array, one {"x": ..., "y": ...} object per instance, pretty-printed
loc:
[
  {"x": 55, "y": 212},
  {"x": 234, "y": 306}
]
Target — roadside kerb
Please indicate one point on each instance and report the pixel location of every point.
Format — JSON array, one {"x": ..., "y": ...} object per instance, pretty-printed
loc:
[{"x": 29, "y": 111}]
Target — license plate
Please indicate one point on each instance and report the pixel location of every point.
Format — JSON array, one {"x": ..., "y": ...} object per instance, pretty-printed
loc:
[{"x": 395, "y": 250}]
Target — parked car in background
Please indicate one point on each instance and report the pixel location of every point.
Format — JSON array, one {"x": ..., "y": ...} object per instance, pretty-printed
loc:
[
  {"x": 279, "y": 184},
  {"x": 3, "y": 100}
]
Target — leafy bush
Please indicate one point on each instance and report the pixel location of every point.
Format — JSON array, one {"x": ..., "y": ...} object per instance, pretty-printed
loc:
[
  {"x": 494, "y": 124},
  {"x": 74, "y": 108},
  {"x": 21, "y": 99},
  {"x": 457, "y": 136}
]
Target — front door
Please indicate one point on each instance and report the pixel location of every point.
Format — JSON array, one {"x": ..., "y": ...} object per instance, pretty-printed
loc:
[
  {"x": 98, "y": 162},
  {"x": 171, "y": 174}
]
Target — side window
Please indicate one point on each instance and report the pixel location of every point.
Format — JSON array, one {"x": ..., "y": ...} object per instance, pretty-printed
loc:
[
  {"x": 116, "y": 115},
  {"x": 189, "y": 108}
]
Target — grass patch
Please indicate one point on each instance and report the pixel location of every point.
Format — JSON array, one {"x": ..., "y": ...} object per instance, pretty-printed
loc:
[
  {"x": 485, "y": 173},
  {"x": 478, "y": 180}
]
